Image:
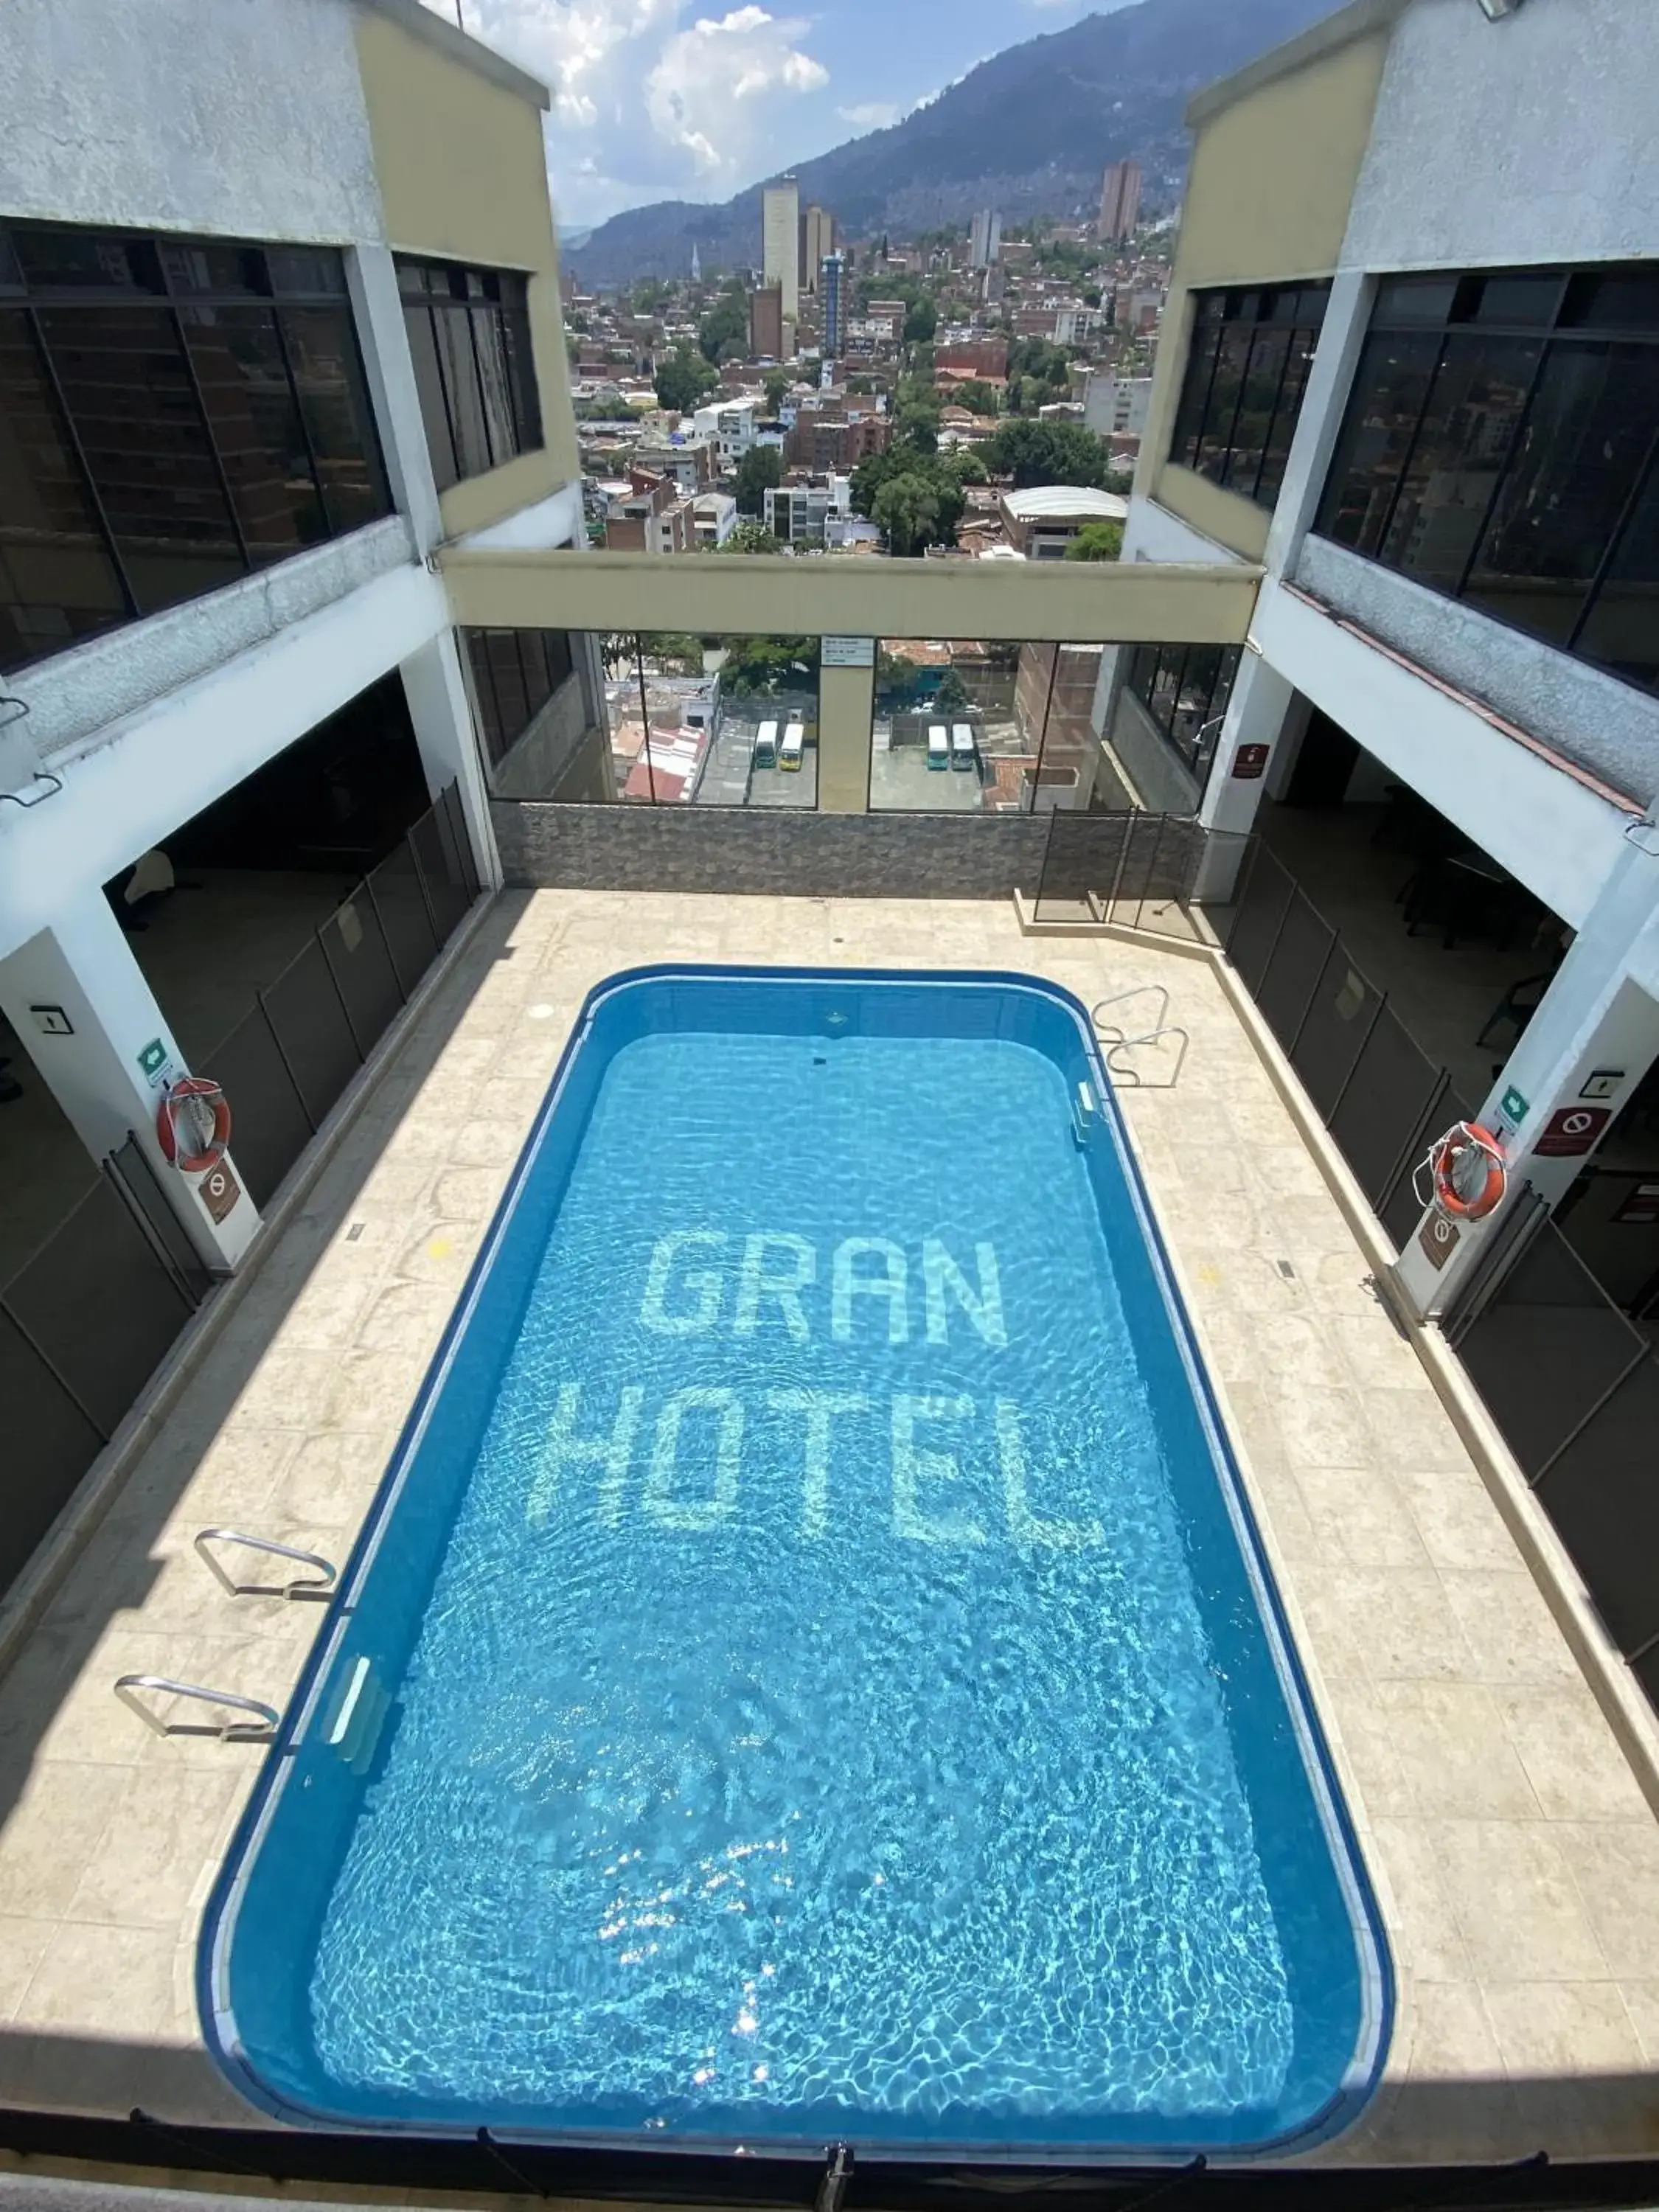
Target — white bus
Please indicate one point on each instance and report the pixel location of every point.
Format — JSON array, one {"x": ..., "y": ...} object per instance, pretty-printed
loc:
[
  {"x": 766, "y": 745},
  {"x": 794, "y": 741}
]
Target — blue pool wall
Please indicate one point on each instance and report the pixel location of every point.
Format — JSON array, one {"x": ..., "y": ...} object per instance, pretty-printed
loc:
[{"x": 268, "y": 1915}]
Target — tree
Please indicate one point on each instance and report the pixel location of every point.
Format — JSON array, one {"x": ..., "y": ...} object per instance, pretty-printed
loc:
[
  {"x": 1097, "y": 541},
  {"x": 683, "y": 379},
  {"x": 978, "y": 397},
  {"x": 921, "y": 322},
  {"x": 750, "y": 535},
  {"x": 968, "y": 467},
  {"x": 1048, "y": 453},
  {"x": 907, "y": 510},
  {"x": 723, "y": 333},
  {"x": 777, "y": 390},
  {"x": 952, "y": 695},
  {"x": 769, "y": 663},
  {"x": 936, "y": 476},
  {"x": 651, "y": 295},
  {"x": 760, "y": 467}
]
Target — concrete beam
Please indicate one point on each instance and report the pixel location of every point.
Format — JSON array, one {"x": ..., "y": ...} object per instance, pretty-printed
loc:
[{"x": 1076, "y": 602}]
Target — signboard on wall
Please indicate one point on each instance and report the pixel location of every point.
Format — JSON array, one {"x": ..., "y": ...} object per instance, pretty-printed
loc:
[
  {"x": 1640, "y": 1210},
  {"x": 1572, "y": 1130},
  {"x": 1249, "y": 763},
  {"x": 847, "y": 653}
]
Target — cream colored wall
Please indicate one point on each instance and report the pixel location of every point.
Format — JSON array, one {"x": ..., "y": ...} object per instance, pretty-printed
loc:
[
  {"x": 462, "y": 176},
  {"x": 1083, "y": 602},
  {"x": 847, "y": 698},
  {"x": 1271, "y": 179}
]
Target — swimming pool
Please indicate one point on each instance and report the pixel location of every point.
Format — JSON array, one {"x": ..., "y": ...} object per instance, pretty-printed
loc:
[{"x": 808, "y": 1673}]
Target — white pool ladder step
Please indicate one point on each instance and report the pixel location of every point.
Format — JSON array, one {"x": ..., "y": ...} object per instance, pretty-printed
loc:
[
  {"x": 319, "y": 1586},
  {"x": 359, "y": 1717},
  {"x": 259, "y": 1730},
  {"x": 1117, "y": 1036}
]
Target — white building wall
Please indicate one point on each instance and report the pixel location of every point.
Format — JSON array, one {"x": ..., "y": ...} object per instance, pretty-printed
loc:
[
  {"x": 236, "y": 117},
  {"x": 1530, "y": 139}
]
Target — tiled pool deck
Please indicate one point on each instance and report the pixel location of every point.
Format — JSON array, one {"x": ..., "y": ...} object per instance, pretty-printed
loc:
[{"x": 1516, "y": 1862}]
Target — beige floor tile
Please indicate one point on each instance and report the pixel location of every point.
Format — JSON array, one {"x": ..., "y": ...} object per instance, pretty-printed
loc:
[
  {"x": 1455, "y": 1762},
  {"x": 1572, "y": 1758},
  {"x": 172, "y": 1823},
  {"x": 1615, "y": 1864},
  {"x": 372, "y": 1391},
  {"x": 52, "y": 1833},
  {"x": 1423, "y": 1929},
  {"x": 1401, "y": 1621},
  {"x": 100, "y": 1980},
  {"x": 1510, "y": 1630},
  {"x": 1642, "y": 2003},
  {"x": 1362, "y": 1516},
  {"x": 1546, "y": 2028},
  {"x": 1412, "y": 1429},
  {"x": 1458, "y": 1520},
  {"x": 328, "y": 1483},
  {"x": 1518, "y": 1908}
]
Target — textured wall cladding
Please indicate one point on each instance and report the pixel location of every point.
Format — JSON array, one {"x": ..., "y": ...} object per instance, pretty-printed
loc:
[
  {"x": 622, "y": 848},
  {"x": 1606, "y": 726}
]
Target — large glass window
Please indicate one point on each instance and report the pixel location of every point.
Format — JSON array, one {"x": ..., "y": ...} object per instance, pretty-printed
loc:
[
  {"x": 1500, "y": 446},
  {"x": 469, "y": 332},
  {"x": 712, "y": 722},
  {"x": 963, "y": 726},
  {"x": 1245, "y": 374},
  {"x": 514, "y": 673},
  {"x": 1185, "y": 689},
  {"x": 173, "y": 413}
]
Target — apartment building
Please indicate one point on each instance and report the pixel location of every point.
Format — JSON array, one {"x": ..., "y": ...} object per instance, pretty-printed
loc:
[
  {"x": 780, "y": 244},
  {"x": 817, "y": 238},
  {"x": 728, "y": 427},
  {"x": 796, "y": 512},
  {"x": 766, "y": 339},
  {"x": 655, "y": 517},
  {"x": 1423, "y": 405},
  {"x": 1120, "y": 200},
  {"x": 1116, "y": 406},
  {"x": 713, "y": 518},
  {"x": 985, "y": 238},
  {"x": 832, "y": 301}
]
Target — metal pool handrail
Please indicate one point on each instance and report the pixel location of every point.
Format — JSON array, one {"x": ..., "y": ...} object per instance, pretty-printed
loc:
[
  {"x": 226, "y": 1731},
  {"x": 318, "y": 1586}
]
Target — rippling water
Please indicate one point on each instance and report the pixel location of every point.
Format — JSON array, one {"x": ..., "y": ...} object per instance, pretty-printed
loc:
[{"x": 814, "y": 1723}]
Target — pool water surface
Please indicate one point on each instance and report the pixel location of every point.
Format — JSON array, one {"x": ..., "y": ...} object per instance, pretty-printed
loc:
[{"x": 807, "y": 1675}]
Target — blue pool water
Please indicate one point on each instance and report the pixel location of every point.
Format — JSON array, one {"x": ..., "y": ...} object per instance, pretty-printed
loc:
[{"x": 807, "y": 1675}]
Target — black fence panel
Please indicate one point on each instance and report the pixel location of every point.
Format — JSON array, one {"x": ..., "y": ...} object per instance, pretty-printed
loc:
[
  {"x": 1338, "y": 1021},
  {"x": 451, "y": 822},
  {"x": 1264, "y": 897},
  {"x": 1392, "y": 1090},
  {"x": 1080, "y": 861},
  {"x": 1546, "y": 1350},
  {"x": 447, "y": 893},
  {"x": 1399, "y": 1209},
  {"x": 405, "y": 916},
  {"x": 50, "y": 1444},
  {"x": 1293, "y": 974},
  {"x": 134, "y": 1179},
  {"x": 355, "y": 946},
  {"x": 270, "y": 1127},
  {"x": 309, "y": 1021},
  {"x": 1602, "y": 1494},
  {"x": 101, "y": 1305}
]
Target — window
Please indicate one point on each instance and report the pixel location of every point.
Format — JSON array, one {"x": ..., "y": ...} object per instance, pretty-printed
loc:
[
  {"x": 514, "y": 673},
  {"x": 1499, "y": 447},
  {"x": 174, "y": 414},
  {"x": 963, "y": 726},
  {"x": 1185, "y": 689},
  {"x": 712, "y": 722},
  {"x": 469, "y": 334},
  {"x": 1246, "y": 372}
]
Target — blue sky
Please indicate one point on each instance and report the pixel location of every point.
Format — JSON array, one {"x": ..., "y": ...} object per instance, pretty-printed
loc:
[{"x": 666, "y": 99}]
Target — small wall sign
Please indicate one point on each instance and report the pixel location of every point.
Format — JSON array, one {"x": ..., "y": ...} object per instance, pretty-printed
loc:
[
  {"x": 1572, "y": 1130},
  {"x": 219, "y": 1191},
  {"x": 52, "y": 1021},
  {"x": 1601, "y": 1083},
  {"x": 152, "y": 1059},
  {"x": 1640, "y": 1210},
  {"x": 1249, "y": 762},
  {"x": 1437, "y": 1239},
  {"x": 1513, "y": 1107},
  {"x": 847, "y": 653}
]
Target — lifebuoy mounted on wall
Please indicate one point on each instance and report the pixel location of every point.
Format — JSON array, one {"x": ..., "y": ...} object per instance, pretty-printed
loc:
[
  {"x": 1469, "y": 1171},
  {"x": 192, "y": 1123}
]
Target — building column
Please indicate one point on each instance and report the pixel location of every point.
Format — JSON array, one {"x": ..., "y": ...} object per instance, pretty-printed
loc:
[
  {"x": 1319, "y": 419},
  {"x": 372, "y": 283},
  {"x": 84, "y": 1008},
  {"x": 439, "y": 710},
  {"x": 1254, "y": 722},
  {"x": 846, "y": 700},
  {"x": 1580, "y": 1056}
]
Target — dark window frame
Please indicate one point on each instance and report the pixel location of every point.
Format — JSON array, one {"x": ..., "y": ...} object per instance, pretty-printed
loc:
[
  {"x": 464, "y": 428},
  {"x": 544, "y": 661},
  {"x": 267, "y": 277},
  {"x": 1401, "y": 308},
  {"x": 1144, "y": 677},
  {"x": 1229, "y": 312}
]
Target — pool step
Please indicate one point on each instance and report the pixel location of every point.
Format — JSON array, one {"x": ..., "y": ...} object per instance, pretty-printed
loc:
[{"x": 360, "y": 1717}]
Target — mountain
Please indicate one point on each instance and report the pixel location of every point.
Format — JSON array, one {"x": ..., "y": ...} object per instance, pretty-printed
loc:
[{"x": 1028, "y": 132}]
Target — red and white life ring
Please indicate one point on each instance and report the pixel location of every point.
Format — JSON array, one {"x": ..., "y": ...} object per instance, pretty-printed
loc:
[
  {"x": 1469, "y": 1171},
  {"x": 194, "y": 1111}
]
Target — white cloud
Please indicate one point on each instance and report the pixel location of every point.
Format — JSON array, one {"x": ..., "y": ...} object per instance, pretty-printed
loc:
[
  {"x": 871, "y": 114},
  {"x": 648, "y": 106},
  {"x": 722, "y": 76}
]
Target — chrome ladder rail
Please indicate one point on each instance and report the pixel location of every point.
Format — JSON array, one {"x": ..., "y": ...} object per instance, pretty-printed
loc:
[
  {"x": 229, "y": 1731},
  {"x": 1136, "y": 991},
  {"x": 318, "y": 1586}
]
